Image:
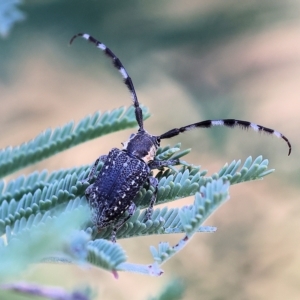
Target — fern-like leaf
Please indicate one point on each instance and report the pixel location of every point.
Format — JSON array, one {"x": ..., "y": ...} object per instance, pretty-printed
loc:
[
  {"x": 64, "y": 190},
  {"x": 51, "y": 142},
  {"x": 32, "y": 244},
  {"x": 29, "y": 204},
  {"x": 105, "y": 254}
]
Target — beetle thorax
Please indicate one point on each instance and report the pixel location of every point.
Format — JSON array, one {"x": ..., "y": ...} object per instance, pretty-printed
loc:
[{"x": 142, "y": 145}]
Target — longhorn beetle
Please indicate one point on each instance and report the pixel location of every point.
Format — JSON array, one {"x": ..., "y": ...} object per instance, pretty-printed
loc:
[{"x": 125, "y": 171}]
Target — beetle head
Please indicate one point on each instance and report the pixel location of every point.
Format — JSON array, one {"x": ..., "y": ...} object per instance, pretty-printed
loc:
[{"x": 142, "y": 145}]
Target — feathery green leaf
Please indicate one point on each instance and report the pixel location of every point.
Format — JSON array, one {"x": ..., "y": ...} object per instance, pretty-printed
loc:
[{"x": 51, "y": 142}]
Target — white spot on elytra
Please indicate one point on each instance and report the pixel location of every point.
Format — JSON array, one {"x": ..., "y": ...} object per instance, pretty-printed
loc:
[
  {"x": 116, "y": 208},
  {"x": 132, "y": 182},
  {"x": 123, "y": 195}
]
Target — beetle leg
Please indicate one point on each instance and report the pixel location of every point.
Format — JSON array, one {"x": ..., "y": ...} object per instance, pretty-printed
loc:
[
  {"x": 131, "y": 210},
  {"x": 159, "y": 164},
  {"x": 94, "y": 169},
  {"x": 89, "y": 190},
  {"x": 153, "y": 182},
  {"x": 92, "y": 195}
]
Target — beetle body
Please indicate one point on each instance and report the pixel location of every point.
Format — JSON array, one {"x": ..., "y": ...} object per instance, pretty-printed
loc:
[
  {"x": 117, "y": 184},
  {"x": 126, "y": 171},
  {"x": 121, "y": 177}
]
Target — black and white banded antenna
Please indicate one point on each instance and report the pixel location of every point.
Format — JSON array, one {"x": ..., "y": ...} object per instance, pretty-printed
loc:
[
  {"x": 117, "y": 63},
  {"x": 231, "y": 123}
]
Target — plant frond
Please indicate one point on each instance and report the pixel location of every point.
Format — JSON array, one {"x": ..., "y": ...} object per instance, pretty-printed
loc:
[
  {"x": 105, "y": 254},
  {"x": 150, "y": 269},
  {"x": 28, "y": 246},
  {"x": 17, "y": 188},
  {"x": 251, "y": 170},
  {"x": 206, "y": 202},
  {"x": 31, "y": 209},
  {"x": 28, "y": 204},
  {"x": 189, "y": 179},
  {"x": 64, "y": 190},
  {"x": 175, "y": 220},
  {"x": 14, "y": 189},
  {"x": 51, "y": 142},
  {"x": 51, "y": 196},
  {"x": 170, "y": 152}
]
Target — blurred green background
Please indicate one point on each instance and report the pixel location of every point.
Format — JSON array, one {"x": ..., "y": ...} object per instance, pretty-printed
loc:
[{"x": 190, "y": 61}]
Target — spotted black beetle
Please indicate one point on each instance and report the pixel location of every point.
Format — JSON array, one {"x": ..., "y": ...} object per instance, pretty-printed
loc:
[{"x": 125, "y": 171}]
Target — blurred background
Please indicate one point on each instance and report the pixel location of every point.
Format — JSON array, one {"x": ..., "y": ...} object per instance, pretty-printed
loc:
[{"x": 189, "y": 60}]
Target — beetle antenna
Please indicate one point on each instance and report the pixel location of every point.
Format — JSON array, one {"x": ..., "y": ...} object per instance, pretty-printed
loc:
[
  {"x": 117, "y": 63},
  {"x": 228, "y": 123}
]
